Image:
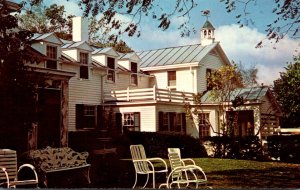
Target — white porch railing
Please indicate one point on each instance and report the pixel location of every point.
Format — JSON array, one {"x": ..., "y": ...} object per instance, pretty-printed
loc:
[{"x": 133, "y": 95}]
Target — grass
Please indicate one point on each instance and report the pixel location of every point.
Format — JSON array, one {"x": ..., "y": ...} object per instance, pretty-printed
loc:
[
  {"x": 230, "y": 173},
  {"x": 221, "y": 173}
]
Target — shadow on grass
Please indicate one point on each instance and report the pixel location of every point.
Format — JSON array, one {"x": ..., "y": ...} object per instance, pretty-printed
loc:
[
  {"x": 277, "y": 177},
  {"x": 112, "y": 172}
]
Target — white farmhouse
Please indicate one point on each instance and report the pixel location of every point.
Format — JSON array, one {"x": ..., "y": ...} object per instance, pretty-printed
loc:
[{"x": 92, "y": 90}]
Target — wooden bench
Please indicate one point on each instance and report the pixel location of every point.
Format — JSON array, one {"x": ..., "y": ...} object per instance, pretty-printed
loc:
[{"x": 51, "y": 160}]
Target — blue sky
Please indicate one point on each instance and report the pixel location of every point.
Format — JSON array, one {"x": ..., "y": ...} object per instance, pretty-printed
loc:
[{"x": 238, "y": 43}]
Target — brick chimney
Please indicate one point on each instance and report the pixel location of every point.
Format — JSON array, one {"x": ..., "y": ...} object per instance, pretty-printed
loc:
[{"x": 80, "y": 29}]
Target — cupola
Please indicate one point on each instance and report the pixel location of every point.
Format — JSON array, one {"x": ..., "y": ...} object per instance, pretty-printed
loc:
[{"x": 207, "y": 34}]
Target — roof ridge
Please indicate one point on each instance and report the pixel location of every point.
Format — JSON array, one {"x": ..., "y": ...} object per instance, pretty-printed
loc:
[{"x": 168, "y": 47}]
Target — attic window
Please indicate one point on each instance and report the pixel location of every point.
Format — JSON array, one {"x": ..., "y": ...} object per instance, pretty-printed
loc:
[
  {"x": 83, "y": 58},
  {"x": 134, "y": 73},
  {"x": 111, "y": 69},
  {"x": 52, "y": 57}
]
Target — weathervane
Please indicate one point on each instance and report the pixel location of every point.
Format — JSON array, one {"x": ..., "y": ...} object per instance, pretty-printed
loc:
[{"x": 206, "y": 13}]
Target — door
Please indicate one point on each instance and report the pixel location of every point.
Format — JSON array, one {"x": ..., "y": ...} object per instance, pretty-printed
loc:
[{"x": 49, "y": 118}]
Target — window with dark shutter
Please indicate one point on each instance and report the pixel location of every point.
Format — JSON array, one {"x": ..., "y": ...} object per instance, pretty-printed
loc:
[{"x": 85, "y": 116}]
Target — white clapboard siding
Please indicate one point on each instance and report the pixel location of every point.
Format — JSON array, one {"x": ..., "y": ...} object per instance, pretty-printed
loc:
[
  {"x": 210, "y": 61},
  {"x": 185, "y": 80},
  {"x": 83, "y": 91},
  {"x": 122, "y": 82}
]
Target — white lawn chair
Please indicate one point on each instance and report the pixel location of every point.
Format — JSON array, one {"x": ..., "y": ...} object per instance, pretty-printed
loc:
[
  {"x": 10, "y": 171},
  {"x": 182, "y": 174},
  {"x": 144, "y": 165},
  {"x": 186, "y": 161}
]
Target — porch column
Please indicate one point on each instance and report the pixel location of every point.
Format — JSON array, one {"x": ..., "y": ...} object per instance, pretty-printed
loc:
[{"x": 64, "y": 113}]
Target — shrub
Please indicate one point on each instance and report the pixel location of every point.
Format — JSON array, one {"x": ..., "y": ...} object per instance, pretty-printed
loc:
[
  {"x": 286, "y": 148},
  {"x": 235, "y": 147},
  {"x": 156, "y": 144}
]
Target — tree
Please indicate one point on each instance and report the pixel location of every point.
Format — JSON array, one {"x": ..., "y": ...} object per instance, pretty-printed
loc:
[
  {"x": 287, "y": 90},
  {"x": 17, "y": 84},
  {"x": 222, "y": 82},
  {"x": 42, "y": 19}
]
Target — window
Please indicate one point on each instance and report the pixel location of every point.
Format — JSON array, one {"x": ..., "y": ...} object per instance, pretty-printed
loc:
[
  {"x": 208, "y": 79},
  {"x": 131, "y": 121},
  {"x": 172, "y": 79},
  {"x": 172, "y": 122},
  {"x": 204, "y": 127},
  {"x": 84, "y": 69},
  {"x": 111, "y": 69},
  {"x": 134, "y": 73},
  {"x": 52, "y": 55},
  {"x": 84, "y": 58},
  {"x": 86, "y": 116}
]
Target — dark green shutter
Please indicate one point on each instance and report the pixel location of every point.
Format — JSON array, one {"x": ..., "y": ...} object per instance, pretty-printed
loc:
[
  {"x": 100, "y": 120},
  {"x": 183, "y": 123},
  {"x": 172, "y": 121},
  {"x": 119, "y": 123},
  {"x": 79, "y": 115},
  {"x": 160, "y": 121}
]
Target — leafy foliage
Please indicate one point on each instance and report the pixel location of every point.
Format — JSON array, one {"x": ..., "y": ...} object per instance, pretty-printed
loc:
[
  {"x": 17, "y": 84},
  {"x": 287, "y": 90},
  {"x": 41, "y": 19},
  {"x": 113, "y": 10}
]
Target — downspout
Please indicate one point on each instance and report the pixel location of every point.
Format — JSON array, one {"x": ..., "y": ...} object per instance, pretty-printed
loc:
[
  {"x": 102, "y": 88},
  {"x": 193, "y": 78}
]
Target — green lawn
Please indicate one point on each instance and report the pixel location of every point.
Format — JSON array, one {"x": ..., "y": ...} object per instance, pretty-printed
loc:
[
  {"x": 230, "y": 173},
  {"x": 221, "y": 173}
]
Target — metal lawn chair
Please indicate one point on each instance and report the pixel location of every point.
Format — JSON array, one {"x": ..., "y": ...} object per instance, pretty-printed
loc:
[
  {"x": 144, "y": 165},
  {"x": 10, "y": 172},
  {"x": 186, "y": 161},
  {"x": 183, "y": 174}
]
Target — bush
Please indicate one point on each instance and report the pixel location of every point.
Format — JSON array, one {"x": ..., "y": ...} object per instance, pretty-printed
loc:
[
  {"x": 156, "y": 144},
  {"x": 286, "y": 148},
  {"x": 235, "y": 147}
]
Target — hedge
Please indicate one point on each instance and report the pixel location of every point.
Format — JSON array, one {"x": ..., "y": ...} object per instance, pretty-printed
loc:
[{"x": 156, "y": 144}]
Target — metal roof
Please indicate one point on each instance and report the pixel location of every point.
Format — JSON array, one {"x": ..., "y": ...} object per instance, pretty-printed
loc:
[
  {"x": 249, "y": 94},
  {"x": 174, "y": 55},
  {"x": 207, "y": 24},
  {"x": 37, "y": 36}
]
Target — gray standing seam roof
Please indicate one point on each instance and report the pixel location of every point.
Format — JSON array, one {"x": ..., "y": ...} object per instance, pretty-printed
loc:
[
  {"x": 248, "y": 94},
  {"x": 174, "y": 55}
]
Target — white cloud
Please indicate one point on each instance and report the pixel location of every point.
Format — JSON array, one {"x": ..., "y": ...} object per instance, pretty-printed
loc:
[{"x": 239, "y": 44}]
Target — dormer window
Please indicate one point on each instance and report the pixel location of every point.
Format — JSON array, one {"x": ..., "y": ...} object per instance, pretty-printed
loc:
[
  {"x": 51, "y": 63},
  {"x": 111, "y": 69},
  {"x": 84, "y": 69},
  {"x": 172, "y": 80},
  {"x": 134, "y": 73}
]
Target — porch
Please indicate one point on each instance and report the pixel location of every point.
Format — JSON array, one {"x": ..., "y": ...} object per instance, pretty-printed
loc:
[{"x": 146, "y": 94}]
